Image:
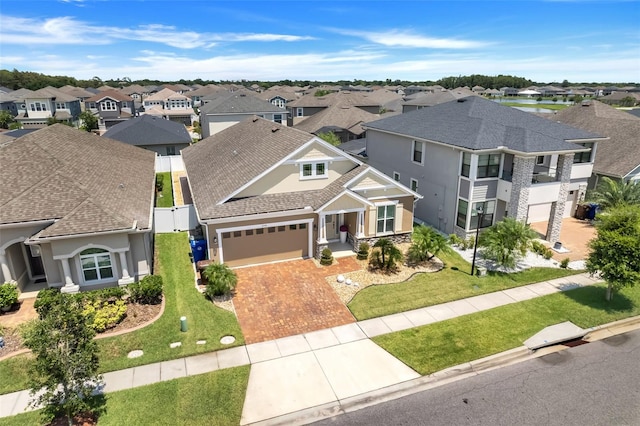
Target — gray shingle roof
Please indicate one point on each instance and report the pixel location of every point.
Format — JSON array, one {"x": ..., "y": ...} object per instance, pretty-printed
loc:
[
  {"x": 240, "y": 104},
  {"x": 149, "y": 130},
  {"x": 345, "y": 117},
  {"x": 222, "y": 163},
  {"x": 621, "y": 154},
  {"x": 84, "y": 182},
  {"x": 476, "y": 123}
]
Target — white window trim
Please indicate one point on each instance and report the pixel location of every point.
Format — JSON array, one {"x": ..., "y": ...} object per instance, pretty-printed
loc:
[
  {"x": 99, "y": 280},
  {"x": 394, "y": 176},
  {"x": 411, "y": 181},
  {"x": 314, "y": 165},
  {"x": 299, "y": 112},
  {"x": 107, "y": 106},
  {"x": 385, "y": 204},
  {"x": 413, "y": 150}
]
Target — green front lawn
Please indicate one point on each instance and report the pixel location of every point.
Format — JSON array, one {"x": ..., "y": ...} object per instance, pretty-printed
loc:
[
  {"x": 205, "y": 321},
  {"x": 165, "y": 198},
  {"x": 437, "y": 346},
  {"x": 208, "y": 399},
  {"x": 452, "y": 283}
]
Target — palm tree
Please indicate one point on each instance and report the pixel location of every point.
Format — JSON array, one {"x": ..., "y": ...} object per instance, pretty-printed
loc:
[
  {"x": 615, "y": 193},
  {"x": 390, "y": 253},
  {"x": 426, "y": 242},
  {"x": 507, "y": 241},
  {"x": 220, "y": 280}
]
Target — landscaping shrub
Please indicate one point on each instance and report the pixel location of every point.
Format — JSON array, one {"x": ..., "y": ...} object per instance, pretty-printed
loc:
[
  {"x": 426, "y": 242},
  {"x": 454, "y": 240},
  {"x": 159, "y": 183},
  {"x": 45, "y": 300},
  {"x": 221, "y": 280},
  {"x": 363, "y": 251},
  {"x": 103, "y": 315},
  {"x": 8, "y": 295},
  {"x": 385, "y": 256},
  {"x": 326, "y": 258},
  {"x": 538, "y": 248},
  {"x": 548, "y": 254},
  {"x": 148, "y": 291},
  {"x": 564, "y": 263},
  {"x": 507, "y": 241}
]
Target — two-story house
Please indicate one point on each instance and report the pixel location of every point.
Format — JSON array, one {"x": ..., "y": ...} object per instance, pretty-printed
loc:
[
  {"x": 473, "y": 154},
  {"x": 170, "y": 105},
  {"x": 43, "y": 104},
  {"x": 112, "y": 107},
  {"x": 265, "y": 192}
]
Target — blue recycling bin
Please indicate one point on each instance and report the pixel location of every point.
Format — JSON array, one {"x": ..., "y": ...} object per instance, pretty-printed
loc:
[
  {"x": 591, "y": 212},
  {"x": 199, "y": 250}
]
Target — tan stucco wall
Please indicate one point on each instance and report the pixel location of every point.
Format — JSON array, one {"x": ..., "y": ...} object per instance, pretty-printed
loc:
[
  {"x": 22, "y": 233},
  {"x": 407, "y": 216},
  {"x": 111, "y": 241}
]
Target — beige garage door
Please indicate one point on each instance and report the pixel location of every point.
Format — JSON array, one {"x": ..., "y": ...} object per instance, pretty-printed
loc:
[
  {"x": 268, "y": 244},
  {"x": 539, "y": 213}
]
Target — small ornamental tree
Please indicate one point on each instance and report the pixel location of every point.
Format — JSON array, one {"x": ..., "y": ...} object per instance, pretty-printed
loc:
[
  {"x": 6, "y": 118},
  {"x": 616, "y": 193},
  {"x": 426, "y": 242},
  {"x": 89, "y": 121},
  {"x": 507, "y": 241},
  {"x": 64, "y": 374},
  {"x": 615, "y": 252},
  {"x": 330, "y": 137},
  {"x": 386, "y": 256},
  {"x": 220, "y": 278}
]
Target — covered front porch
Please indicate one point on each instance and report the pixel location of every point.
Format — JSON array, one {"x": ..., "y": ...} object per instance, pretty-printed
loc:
[{"x": 342, "y": 220}]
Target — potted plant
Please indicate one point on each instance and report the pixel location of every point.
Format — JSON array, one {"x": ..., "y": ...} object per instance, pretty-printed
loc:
[
  {"x": 343, "y": 233},
  {"x": 8, "y": 296}
]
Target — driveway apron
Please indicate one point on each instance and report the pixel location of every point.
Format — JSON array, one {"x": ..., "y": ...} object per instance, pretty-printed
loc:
[{"x": 288, "y": 298}]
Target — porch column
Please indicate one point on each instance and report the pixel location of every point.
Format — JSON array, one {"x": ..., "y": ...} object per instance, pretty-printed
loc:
[
  {"x": 322, "y": 229},
  {"x": 360, "y": 226},
  {"x": 220, "y": 254},
  {"x": 69, "y": 285},
  {"x": 4, "y": 264},
  {"x": 520, "y": 185},
  {"x": 563, "y": 175},
  {"x": 126, "y": 279}
]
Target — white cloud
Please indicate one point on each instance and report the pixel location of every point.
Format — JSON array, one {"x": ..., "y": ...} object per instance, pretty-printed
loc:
[
  {"x": 69, "y": 31},
  {"x": 402, "y": 38}
]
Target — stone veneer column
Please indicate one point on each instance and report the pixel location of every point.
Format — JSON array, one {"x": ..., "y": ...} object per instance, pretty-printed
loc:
[
  {"x": 563, "y": 175},
  {"x": 520, "y": 184}
]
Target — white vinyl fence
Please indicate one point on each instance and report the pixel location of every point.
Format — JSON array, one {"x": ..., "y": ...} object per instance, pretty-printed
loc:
[
  {"x": 174, "y": 219},
  {"x": 169, "y": 163}
]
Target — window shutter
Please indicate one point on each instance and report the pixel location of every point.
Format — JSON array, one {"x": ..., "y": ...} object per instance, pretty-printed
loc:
[
  {"x": 398, "y": 219},
  {"x": 373, "y": 221}
]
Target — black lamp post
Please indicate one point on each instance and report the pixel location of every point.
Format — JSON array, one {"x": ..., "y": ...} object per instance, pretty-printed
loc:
[{"x": 475, "y": 246}]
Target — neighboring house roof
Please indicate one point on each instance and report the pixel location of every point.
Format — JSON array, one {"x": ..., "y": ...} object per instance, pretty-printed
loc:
[
  {"x": 50, "y": 93},
  {"x": 165, "y": 94},
  {"x": 13, "y": 134},
  {"x": 159, "y": 112},
  {"x": 83, "y": 182},
  {"x": 635, "y": 112},
  {"x": 21, "y": 94},
  {"x": 347, "y": 117},
  {"x": 149, "y": 130},
  {"x": 337, "y": 98},
  {"x": 476, "y": 123},
  {"x": 134, "y": 88},
  {"x": 115, "y": 95},
  {"x": 438, "y": 97},
  {"x": 221, "y": 164},
  {"x": 240, "y": 104},
  {"x": 78, "y": 92},
  {"x": 355, "y": 147},
  {"x": 618, "y": 156},
  {"x": 205, "y": 90}
]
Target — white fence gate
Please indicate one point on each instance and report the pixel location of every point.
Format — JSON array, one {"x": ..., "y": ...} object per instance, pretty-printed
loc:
[
  {"x": 174, "y": 219},
  {"x": 169, "y": 163}
]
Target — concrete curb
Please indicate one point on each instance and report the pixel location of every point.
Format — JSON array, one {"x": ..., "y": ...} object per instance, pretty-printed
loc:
[{"x": 443, "y": 377}]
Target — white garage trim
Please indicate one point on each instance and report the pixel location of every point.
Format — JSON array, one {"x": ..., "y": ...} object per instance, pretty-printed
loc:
[{"x": 309, "y": 223}]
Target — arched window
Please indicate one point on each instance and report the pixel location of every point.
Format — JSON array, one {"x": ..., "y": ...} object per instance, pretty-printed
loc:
[{"x": 96, "y": 264}]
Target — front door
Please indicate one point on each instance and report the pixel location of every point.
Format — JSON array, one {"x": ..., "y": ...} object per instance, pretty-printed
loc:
[
  {"x": 332, "y": 227},
  {"x": 35, "y": 261}
]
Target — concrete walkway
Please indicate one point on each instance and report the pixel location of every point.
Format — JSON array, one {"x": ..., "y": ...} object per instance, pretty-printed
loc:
[{"x": 319, "y": 368}]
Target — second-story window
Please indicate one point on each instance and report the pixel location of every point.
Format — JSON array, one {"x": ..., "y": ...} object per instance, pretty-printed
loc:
[
  {"x": 314, "y": 170},
  {"x": 108, "y": 106},
  {"x": 418, "y": 152},
  {"x": 60, "y": 105},
  {"x": 583, "y": 157},
  {"x": 38, "y": 106},
  {"x": 466, "y": 164},
  {"x": 488, "y": 165},
  {"x": 299, "y": 112}
]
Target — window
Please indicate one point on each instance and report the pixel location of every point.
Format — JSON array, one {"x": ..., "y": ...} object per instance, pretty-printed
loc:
[
  {"x": 396, "y": 176},
  {"x": 488, "y": 165},
  {"x": 281, "y": 228},
  {"x": 461, "y": 219},
  {"x": 302, "y": 226},
  {"x": 466, "y": 164},
  {"x": 271, "y": 229},
  {"x": 277, "y": 118},
  {"x": 60, "y": 105},
  {"x": 292, "y": 227},
  {"x": 313, "y": 170},
  {"x": 96, "y": 264},
  {"x": 540, "y": 160},
  {"x": 386, "y": 218},
  {"x": 583, "y": 157},
  {"x": 417, "y": 152},
  {"x": 226, "y": 235},
  {"x": 38, "y": 106},
  {"x": 248, "y": 232},
  {"x": 299, "y": 112},
  {"x": 488, "y": 207},
  {"x": 414, "y": 185},
  {"x": 279, "y": 102},
  {"x": 237, "y": 234},
  {"x": 259, "y": 231},
  {"x": 108, "y": 106}
]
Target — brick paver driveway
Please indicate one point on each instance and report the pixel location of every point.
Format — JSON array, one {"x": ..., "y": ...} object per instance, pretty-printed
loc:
[
  {"x": 574, "y": 236},
  {"x": 288, "y": 298}
]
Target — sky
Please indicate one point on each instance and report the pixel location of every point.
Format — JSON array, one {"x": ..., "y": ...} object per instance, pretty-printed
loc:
[{"x": 168, "y": 40}]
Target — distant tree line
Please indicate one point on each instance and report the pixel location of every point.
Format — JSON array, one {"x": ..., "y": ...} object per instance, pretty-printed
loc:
[{"x": 32, "y": 80}]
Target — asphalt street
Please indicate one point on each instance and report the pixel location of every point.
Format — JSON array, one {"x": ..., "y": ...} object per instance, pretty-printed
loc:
[{"x": 593, "y": 384}]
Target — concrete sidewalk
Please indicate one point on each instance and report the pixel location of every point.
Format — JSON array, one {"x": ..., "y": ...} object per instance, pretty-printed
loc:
[{"x": 296, "y": 373}]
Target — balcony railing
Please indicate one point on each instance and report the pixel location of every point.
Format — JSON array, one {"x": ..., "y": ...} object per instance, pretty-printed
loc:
[{"x": 541, "y": 174}]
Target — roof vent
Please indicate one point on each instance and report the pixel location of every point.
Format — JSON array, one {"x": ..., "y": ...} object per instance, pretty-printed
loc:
[
  {"x": 235, "y": 152},
  {"x": 274, "y": 129},
  {"x": 255, "y": 118},
  {"x": 462, "y": 100}
]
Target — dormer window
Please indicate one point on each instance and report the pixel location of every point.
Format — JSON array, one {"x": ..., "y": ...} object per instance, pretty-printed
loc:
[
  {"x": 108, "y": 106},
  {"x": 313, "y": 170}
]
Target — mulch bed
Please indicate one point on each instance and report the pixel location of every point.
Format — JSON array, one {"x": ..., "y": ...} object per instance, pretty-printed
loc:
[{"x": 83, "y": 419}]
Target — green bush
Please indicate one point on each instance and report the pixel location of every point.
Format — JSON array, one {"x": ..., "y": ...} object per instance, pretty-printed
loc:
[
  {"x": 538, "y": 248},
  {"x": 326, "y": 258},
  {"x": 385, "y": 256},
  {"x": 45, "y": 300},
  {"x": 564, "y": 263},
  {"x": 454, "y": 240},
  {"x": 221, "y": 280},
  {"x": 8, "y": 295},
  {"x": 103, "y": 315},
  {"x": 363, "y": 251},
  {"x": 148, "y": 291},
  {"x": 159, "y": 183},
  {"x": 548, "y": 254}
]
